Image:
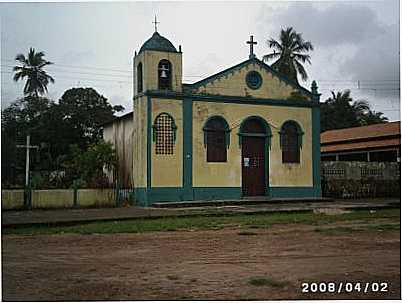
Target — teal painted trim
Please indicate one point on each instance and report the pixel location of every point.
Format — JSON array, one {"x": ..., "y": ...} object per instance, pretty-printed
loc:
[
  {"x": 262, "y": 120},
  {"x": 188, "y": 149},
  {"x": 144, "y": 197},
  {"x": 294, "y": 192},
  {"x": 165, "y": 194},
  {"x": 253, "y": 135},
  {"x": 268, "y": 132},
  {"x": 316, "y": 150},
  {"x": 231, "y": 99},
  {"x": 149, "y": 141},
  {"x": 140, "y": 196},
  {"x": 232, "y": 69},
  {"x": 217, "y": 193}
]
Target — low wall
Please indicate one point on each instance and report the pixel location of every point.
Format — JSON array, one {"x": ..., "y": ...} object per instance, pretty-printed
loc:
[
  {"x": 96, "y": 198},
  {"x": 12, "y": 199},
  {"x": 53, "y": 198},
  {"x": 59, "y": 198},
  {"x": 343, "y": 179}
]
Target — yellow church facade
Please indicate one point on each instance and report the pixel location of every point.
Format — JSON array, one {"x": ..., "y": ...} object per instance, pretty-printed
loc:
[{"x": 245, "y": 131}]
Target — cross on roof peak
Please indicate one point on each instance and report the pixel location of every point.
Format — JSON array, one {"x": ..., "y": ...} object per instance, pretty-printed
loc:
[
  {"x": 156, "y": 22},
  {"x": 252, "y": 43}
]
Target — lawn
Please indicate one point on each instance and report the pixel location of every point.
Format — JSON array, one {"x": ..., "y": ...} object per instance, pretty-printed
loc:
[{"x": 392, "y": 217}]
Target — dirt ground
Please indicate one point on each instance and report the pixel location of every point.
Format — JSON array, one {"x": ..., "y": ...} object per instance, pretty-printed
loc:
[{"x": 213, "y": 264}]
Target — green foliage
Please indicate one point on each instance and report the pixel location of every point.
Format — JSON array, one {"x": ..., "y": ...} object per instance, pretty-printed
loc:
[
  {"x": 373, "y": 117},
  {"x": 290, "y": 53},
  {"x": 207, "y": 222},
  {"x": 340, "y": 111},
  {"x": 83, "y": 111},
  {"x": 77, "y": 119},
  {"x": 31, "y": 67},
  {"x": 86, "y": 168}
]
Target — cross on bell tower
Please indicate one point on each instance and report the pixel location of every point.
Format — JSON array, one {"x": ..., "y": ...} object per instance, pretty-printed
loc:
[
  {"x": 252, "y": 43},
  {"x": 155, "y": 22}
]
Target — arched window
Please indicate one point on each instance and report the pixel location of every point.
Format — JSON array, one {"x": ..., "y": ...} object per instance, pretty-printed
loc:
[
  {"x": 216, "y": 139},
  {"x": 291, "y": 136},
  {"x": 164, "y": 74},
  {"x": 139, "y": 77},
  {"x": 164, "y": 133}
]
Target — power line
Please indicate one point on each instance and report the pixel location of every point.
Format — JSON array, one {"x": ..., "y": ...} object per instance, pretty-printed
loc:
[{"x": 82, "y": 67}]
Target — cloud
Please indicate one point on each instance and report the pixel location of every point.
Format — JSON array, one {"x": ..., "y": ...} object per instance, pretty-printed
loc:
[
  {"x": 332, "y": 25},
  {"x": 353, "y": 41}
]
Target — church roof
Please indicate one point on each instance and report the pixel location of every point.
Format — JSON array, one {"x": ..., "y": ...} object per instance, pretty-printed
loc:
[
  {"x": 244, "y": 63},
  {"x": 158, "y": 43}
]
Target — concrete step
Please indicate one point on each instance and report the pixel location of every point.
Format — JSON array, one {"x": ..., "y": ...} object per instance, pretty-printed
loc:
[{"x": 244, "y": 201}]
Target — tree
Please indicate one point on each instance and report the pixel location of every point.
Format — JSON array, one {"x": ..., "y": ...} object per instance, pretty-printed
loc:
[
  {"x": 89, "y": 165},
  {"x": 373, "y": 117},
  {"x": 340, "y": 111},
  {"x": 290, "y": 52},
  {"x": 29, "y": 115},
  {"x": 53, "y": 127},
  {"x": 31, "y": 67},
  {"x": 83, "y": 111}
]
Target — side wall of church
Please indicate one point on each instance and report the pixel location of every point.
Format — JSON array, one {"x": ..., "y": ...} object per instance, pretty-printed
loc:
[
  {"x": 228, "y": 174},
  {"x": 120, "y": 134},
  {"x": 167, "y": 170}
]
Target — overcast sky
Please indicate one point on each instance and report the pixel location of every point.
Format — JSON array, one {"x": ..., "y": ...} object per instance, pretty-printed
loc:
[{"x": 92, "y": 44}]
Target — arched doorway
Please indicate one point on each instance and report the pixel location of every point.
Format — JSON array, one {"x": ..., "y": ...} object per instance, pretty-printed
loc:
[{"x": 254, "y": 138}]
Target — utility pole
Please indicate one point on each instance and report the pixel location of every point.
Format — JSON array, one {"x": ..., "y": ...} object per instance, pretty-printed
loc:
[{"x": 28, "y": 148}]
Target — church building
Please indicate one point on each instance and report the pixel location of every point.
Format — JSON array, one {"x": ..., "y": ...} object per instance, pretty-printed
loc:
[{"x": 245, "y": 131}]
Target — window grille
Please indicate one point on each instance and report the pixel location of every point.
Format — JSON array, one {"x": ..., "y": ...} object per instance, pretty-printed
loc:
[{"x": 164, "y": 134}]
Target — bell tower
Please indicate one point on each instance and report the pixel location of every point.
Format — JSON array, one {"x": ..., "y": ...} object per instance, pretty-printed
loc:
[{"x": 157, "y": 66}]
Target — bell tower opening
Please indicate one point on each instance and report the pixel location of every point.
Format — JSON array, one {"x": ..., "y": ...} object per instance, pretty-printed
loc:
[
  {"x": 165, "y": 75},
  {"x": 139, "y": 78}
]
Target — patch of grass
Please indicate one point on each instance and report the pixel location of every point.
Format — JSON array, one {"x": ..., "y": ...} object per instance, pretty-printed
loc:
[
  {"x": 263, "y": 281},
  {"x": 204, "y": 222}
]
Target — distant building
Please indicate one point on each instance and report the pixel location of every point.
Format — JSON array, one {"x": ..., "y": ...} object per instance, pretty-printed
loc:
[{"x": 372, "y": 143}]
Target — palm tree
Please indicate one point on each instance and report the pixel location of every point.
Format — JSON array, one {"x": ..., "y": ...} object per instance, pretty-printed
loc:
[
  {"x": 340, "y": 111},
  {"x": 32, "y": 69},
  {"x": 373, "y": 117},
  {"x": 290, "y": 53}
]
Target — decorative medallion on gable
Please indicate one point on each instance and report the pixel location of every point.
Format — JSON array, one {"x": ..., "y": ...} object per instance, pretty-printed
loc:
[{"x": 254, "y": 79}]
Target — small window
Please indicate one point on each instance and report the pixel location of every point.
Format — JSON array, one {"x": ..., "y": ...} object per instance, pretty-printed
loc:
[
  {"x": 139, "y": 78},
  {"x": 164, "y": 134},
  {"x": 290, "y": 143},
  {"x": 164, "y": 75},
  {"x": 216, "y": 135}
]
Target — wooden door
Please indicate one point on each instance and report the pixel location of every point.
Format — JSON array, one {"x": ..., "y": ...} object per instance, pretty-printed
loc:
[{"x": 253, "y": 166}]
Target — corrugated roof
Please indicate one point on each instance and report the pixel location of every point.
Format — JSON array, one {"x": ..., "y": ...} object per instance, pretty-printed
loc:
[
  {"x": 127, "y": 115},
  {"x": 363, "y": 132},
  {"x": 361, "y": 145}
]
